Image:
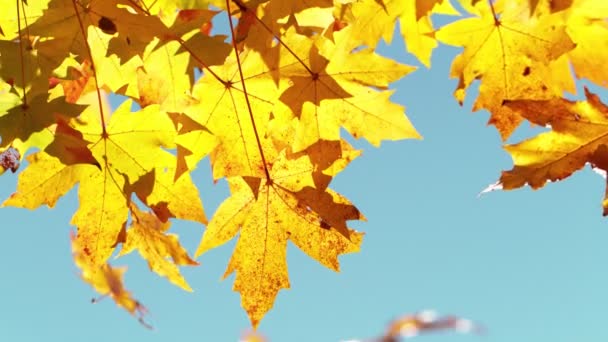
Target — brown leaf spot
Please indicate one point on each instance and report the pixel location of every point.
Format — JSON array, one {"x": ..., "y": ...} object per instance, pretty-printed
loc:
[{"x": 106, "y": 25}]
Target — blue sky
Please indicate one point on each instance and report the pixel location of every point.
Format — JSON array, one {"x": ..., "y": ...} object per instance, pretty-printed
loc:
[{"x": 528, "y": 265}]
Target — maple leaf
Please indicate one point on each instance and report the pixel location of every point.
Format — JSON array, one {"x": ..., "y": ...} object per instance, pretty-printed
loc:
[
  {"x": 425, "y": 322},
  {"x": 267, "y": 213},
  {"x": 148, "y": 235},
  {"x": 588, "y": 29},
  {"x": 125, "y": 163},
  {"x": 372, "y": 20},
  {"x": 69, "y": 145},
  {"x": 78, "y": 84},
  {"x": 511, "y": 55},
  {"x": 269, "y": 116},
  {"x": 44, "y": 181},
  {"x": 332, "y": 88},
  {"x": 107, "y": 281},
  {"x": 66, "y": 22},
  {"x": 15, "y": 15},
  {"x": 235, "y": 118},
  {"x": 23, "y": 67},
  {"x": 25, "y": 121},
  {"x": 163, "y": 78},
  {"x": 104, "y": 192},
  {"x": 578, "y": 129},
  {"x": 166, "y": 74},
  {"x": 194, "y": 142}
]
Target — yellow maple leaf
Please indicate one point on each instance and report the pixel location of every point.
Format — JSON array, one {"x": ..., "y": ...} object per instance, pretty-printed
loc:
[
  {"x": 104, "y": 192},
  {"x": 65, "y": 20},
  {"x": 194, "y": 142},
  {"x": 372, "y": 20},
  {"x": 162, "y": 76},
  {"x": 578, "y": 129},
  {"x": 34, "y": 190},
  {"x": 510, "y": 52},
  {"x": 331, "y": 87},
  {"x": 16, "y": 14},
  {"x": 107, "y": 281},
  {"x": 235, "y": 118},
  {"x": 587, "y": 27},
  {"x": 147, "y": 234},
  {"x": 266, "y": 213}
]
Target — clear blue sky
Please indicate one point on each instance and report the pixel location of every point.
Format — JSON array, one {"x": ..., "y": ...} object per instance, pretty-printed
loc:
[{"x": 529, "y": 265}]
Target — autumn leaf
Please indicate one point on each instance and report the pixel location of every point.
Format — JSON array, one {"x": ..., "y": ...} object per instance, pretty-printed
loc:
[
  {"x": 266, "y": 99},
  {"x": 67, "y": 23},
  {"x": 147, "y": 234},
  {"x": 588, "y": 29},
  {"x": 22, "y": 67},
  {"x": 266, "y": 213},
  {"x": 107, "y": 281},
  {"x": 424, "y": 322},
  {"x": 34, "y": 190},
  {"x": 77, "y": 84},
  {"x": 578, "y": 130},
  {"x": 373, "y": 20},
  {"x": 123, "y": 164},
  {"x": 19, "y": 13},
  {"x": 511, "y": 54},
  {"x": 104, "y": 191},
  {"x": 331, "y": 87},
  {"x": 27, "y": 121},
  {"x": 233, "y": 119},
  {"x": 69, "y": 145}
]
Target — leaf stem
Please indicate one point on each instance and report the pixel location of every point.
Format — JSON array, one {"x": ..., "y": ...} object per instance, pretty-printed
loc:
[
  {"x": 496, "y": 21},
  {"x": 238, "y": 61},
  {"x": 21, "y": 54},
  {"x": 104, "y": 133}
]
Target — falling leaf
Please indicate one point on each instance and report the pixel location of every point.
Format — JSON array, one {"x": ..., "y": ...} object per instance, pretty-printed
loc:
[
  {"x": 107, "y": 281},
  {"x": 148, "y": 235}
]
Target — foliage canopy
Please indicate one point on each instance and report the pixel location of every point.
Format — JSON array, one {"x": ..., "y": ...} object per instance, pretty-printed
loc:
[{"x": 266, "y": 103}]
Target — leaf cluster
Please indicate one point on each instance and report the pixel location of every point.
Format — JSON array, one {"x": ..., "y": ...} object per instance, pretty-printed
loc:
[{"x": 265, "y": 90}]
